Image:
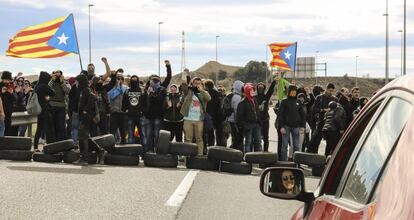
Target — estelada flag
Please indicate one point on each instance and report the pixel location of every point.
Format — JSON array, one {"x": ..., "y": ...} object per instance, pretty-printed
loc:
[
  {"x": 284, "y": 55},
  {"x": 55, "y": 38}
]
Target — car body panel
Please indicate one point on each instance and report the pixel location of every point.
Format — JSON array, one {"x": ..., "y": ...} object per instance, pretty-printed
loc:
[{"x": 396, "y": 198}]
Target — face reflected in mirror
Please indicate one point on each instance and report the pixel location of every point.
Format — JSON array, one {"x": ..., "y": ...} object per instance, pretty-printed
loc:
[{"x": 282, "y": 182}]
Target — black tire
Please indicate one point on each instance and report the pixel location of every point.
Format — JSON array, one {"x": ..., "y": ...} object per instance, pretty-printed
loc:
[
  {"x": 58, "y": 147},
  {"x": 183, "y": 149},
  {"x": 128, "y": 150},
  {"x": 163, "y": 144},
  {"x": 202, "y": 163},
  {"x": 15, "y": 143},
  {"x": 309, "y": 159},
  {"x": 71, "y": 156},
  {"x": 261, "y": 157},
  {"x": 17, "y": 155},
  {"x": 317, "y": 170},
  {"x": 92, "y": 158},
  {"x": 286, "y": 164},
  {"x": 47, "y": 158},
  {"x": 225, "y": 154},
  {"x": 106, "y": 142},
  {"x": 120, "y": 160},
  {"x": 236, "y": 168},
  {"x": 160, "y": 160}
]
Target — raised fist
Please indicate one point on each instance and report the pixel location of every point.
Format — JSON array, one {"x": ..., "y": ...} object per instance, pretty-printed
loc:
[
  {"x": 104, "y": 59},
  {"x": 167, "y": 62}
]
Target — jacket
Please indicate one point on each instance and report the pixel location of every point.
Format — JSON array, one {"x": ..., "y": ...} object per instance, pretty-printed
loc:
[
  {"x": 291, "y": 114},
  {"x": 247, "y": 112},
  {"x": 263, "y": 100},
  {"x": 214, "y": 105},
  {"x": 335, "y": 119},
  {"x": 236, "y": 99},
  {"x": 61, "y": 90},
  {"x": 321, "y": 102},
  {"x": 172, "y": 113},
  {"x": 188, "y": 93},
  {"x": 131, "y": 102},
  {"x": 43, "y": 89}
]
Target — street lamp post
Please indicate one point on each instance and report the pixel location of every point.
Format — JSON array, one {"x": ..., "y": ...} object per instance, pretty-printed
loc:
[
  {"x": 356, "y": 71},
  {"x": 386, "y": 44},
  {"x": 316, "y": 67},
  {"x": 159, "y": 47},
  {"x": 217, "y": 36},
  {"x": 90, "y": 47},
  {"x": 405, "y": 38},
  {"x": 402, "y": 46}
]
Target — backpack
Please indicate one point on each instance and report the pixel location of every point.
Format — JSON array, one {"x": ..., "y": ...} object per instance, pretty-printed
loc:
[
  {"x": 226, "y": 107},
  {"x": 33, "y": 106}
]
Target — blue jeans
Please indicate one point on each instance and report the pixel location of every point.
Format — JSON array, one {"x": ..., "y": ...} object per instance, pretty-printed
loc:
[
  {"x": 253, "y": 136},
  {"x": 2, "y": 127},
  {"x": 150, "y": 132},
  {"x": 133, "y": 122},
  {"x": 22, "y": 130},
  {"x": 295, "y": 132}
]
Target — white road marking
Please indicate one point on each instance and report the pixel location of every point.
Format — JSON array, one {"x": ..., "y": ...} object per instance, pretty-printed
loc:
[{"x": 181, "y": 192}]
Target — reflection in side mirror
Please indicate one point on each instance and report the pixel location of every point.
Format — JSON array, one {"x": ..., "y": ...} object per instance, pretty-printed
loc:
[{"x": 282, "y": 183}]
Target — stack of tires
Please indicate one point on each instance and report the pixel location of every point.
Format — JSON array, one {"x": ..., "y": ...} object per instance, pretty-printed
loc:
[
  {"x": 162, "y": 157},
  {"x": 230, "y": 160},
  {"x": 316, "y": 161},
  {"x": 264, "y": 159},
  {"x": 53, "y": 153},
  {"x": 16, "y": 148},
  {"x": 119, "y": 155}
]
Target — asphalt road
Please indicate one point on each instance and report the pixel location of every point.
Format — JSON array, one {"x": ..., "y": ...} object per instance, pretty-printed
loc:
[{"x": 62, "y": 191}]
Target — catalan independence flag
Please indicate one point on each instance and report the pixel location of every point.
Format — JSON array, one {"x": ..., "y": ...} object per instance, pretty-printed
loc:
[
  {"x": 284, "y": 55},
  {"x": 55, "y": 38}
]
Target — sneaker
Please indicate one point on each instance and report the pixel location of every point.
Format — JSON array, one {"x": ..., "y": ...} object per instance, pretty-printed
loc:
[{"x": 81, "y": 162}]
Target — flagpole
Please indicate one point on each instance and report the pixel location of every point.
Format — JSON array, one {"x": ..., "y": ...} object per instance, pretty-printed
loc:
[
  {"x": 294, "y": 67},
  {"x": 77, "y": 42}
]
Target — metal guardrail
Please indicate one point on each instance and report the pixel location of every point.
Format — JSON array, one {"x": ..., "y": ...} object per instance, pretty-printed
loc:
[{"x": 23, "y": 118}]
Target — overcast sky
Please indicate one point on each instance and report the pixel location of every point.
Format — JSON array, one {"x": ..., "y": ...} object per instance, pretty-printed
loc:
[{"x": 126, "y": 32}]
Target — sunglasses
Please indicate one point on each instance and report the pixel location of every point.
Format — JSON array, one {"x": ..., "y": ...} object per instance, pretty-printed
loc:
[{"x": 286, "y": 178}]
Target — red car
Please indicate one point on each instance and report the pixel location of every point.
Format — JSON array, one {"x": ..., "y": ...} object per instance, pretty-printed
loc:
[{"x": 369, "y": 175}]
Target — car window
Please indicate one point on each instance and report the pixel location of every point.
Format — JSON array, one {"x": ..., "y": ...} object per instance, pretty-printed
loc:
[
  {"x": 375, "y": 150},
  {"x": 348, "y": 145}
]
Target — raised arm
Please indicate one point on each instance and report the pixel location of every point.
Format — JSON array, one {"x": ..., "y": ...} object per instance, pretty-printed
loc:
[
  {"x": 167, "y": 79},
  {"x": 107, "y": 68}
]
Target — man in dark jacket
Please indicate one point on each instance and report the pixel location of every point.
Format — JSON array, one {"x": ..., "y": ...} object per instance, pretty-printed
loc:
[
  {"x": 335, "y": 125},
  {"x": 153, "y": 111},
  {"x": 86, "y": 109},
  {"x": 248, "y": 117},
  {"x": 320, "y": 108},
  {"x": 292, "y": 121},
  {"x": 214, "y": 137},
  {"x": 45, "y": 119},
  {"x": 344, "y": 100},
  {"x": 102, "y": 127},
  {"x": 355, "y": 95},
  {"x": 58, "y": 103},
  {"x": 173, "y": 119},
  {"x": 263, "y": 101},
  {"x": 9, "y": 98},
  {"x": 131, "y": 106}
]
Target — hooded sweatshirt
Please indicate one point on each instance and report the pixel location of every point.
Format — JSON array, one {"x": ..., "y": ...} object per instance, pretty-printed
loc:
[
  {"x": 248, "y": 109},
  {"x": 86, "y": 98},
  {"x": 263, "y": 100},
  {"x": 132, "y": 99},
  {"x": 43, "y": 90},
  {"x": 236, "y": 99},
  {"x": 291, "y": 113}
]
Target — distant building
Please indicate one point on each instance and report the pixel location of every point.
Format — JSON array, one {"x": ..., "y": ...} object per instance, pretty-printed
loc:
[{"x": 305, "y": 67}]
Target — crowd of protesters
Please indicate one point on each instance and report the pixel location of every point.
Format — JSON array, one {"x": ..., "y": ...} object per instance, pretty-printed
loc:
[{"x": 195, "y": 111}]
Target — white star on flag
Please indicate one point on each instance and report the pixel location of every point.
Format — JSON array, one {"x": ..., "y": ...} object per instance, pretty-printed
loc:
[
  {"x": 287, "y": 55},
  {"x": 62, "y": 39}
]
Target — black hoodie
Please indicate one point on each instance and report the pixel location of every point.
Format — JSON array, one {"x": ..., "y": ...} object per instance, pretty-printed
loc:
[
  {"x": 291, "y": 112},
  {"x": 43, "y": 90},
  {"x": 87, "y": 100},
  {"x": 132, "y": 98},
  {"x": 263, "y": 100}
]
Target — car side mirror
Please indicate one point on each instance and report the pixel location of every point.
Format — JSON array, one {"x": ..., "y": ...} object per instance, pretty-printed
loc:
[{"x": 285, "y": 183}]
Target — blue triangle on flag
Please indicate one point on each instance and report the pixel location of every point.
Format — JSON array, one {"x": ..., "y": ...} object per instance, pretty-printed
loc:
[
  {"x": 65, "y": 37},
  {"x": 289, "y": 56}
]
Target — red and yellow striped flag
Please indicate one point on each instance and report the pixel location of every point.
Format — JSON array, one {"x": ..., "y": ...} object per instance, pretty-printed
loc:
[
  {"x": 32, "y": 42},
  {"x": 284, "y": 55}
]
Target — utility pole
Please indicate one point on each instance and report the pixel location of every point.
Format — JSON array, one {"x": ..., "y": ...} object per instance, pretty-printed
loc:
[
  {"x": 90, "y": 47},
  {"x": 183, "y": 66},
  {"x": 159, "y": 47},
  {"x": 402, "y": 50},
  {"x": 405, "y": 38},
  {"x": 217, "y": 36},
  {"x": 386, "y": 44},
  {"x": 356, "y": 71}
]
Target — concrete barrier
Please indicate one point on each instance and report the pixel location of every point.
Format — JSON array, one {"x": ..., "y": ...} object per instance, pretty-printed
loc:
[{"x": 23, "y": 118}]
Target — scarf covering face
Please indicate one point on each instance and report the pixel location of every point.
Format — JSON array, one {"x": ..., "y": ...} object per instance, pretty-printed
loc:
[
  {"x": 156, "y": 85},
  {"x": 250, "y": 92}
]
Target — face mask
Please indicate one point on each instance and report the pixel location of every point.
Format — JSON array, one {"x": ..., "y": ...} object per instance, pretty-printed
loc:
[
  {"x": 156, "y": 86},
  {"x": 260, "y": 90},
  {"x": 134, "y": 84}
]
